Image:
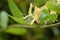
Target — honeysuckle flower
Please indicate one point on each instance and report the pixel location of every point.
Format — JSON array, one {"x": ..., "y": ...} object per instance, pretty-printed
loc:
[{"x": 36, "y": 14}]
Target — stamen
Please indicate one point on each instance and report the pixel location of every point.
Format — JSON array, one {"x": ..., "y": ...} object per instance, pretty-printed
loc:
[
  {"x": 32, "y": 21},
  {"x": 26, "y": 16},
  {"x": 30, "y": 9}
]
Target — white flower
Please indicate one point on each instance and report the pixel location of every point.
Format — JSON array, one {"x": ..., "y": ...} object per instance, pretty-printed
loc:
[{"x": 37, "y": 13}]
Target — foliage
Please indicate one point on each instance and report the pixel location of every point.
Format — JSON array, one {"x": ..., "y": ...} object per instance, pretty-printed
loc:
[{"x": 47, "y": 27}]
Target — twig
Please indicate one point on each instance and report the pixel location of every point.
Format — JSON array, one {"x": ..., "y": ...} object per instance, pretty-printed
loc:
[
  {"x": 41, "y": 26},
  {"x": 52, "y": 25},
  {"x": 22, "y": 26}
]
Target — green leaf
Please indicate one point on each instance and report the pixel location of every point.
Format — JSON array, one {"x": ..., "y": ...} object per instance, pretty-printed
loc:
[
  {"x": 16, "y": 31},
  {"x": 53, "y": 6},
  {"x": 4, "y": 19},
  {"x": 53, "y": 17},
  {"x": 45, "y": 19},
  {"x": 19, "y": 20},
  {"x": 14, "y": 9},
  {"x": 22, "y": 21},
  {"x": 44, "y": 15}
]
